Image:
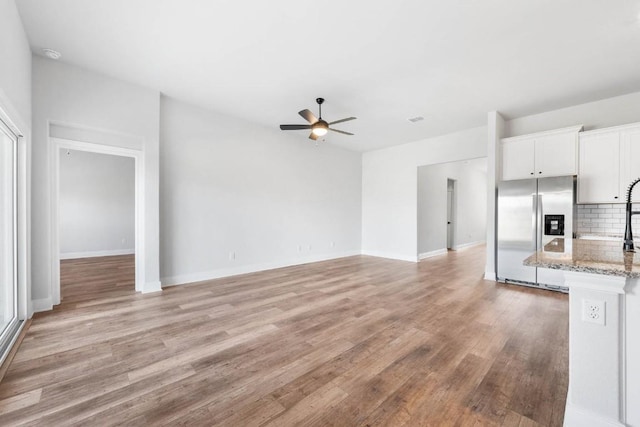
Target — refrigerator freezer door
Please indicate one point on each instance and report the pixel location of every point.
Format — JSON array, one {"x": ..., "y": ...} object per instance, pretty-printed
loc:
[
  {"x": 556, "y": 200},
  {"x": 517, "y": 230}
]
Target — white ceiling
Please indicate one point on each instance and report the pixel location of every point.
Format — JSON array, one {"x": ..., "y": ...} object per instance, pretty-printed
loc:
[{"x": 450, "y": 61}]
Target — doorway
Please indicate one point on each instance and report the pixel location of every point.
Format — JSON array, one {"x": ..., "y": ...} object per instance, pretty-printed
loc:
[
  {"x": 61, "y": 147},
  {"x": 451, "y": 214},
  {"x": 451, "y": 206},
  {"x": 97, "y": 224}
]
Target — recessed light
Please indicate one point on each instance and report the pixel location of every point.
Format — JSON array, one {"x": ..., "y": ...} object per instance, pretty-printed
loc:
[
  {"x": 415, "y": 119},
  {"x": 51, "y": 54}
]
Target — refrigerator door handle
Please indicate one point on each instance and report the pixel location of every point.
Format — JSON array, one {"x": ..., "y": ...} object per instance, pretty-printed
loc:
[
  {"x": 539, "y": 223},
  {"x": 534, "y": 222}
]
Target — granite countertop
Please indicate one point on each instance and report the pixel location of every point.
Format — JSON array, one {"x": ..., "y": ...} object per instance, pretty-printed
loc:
[{"x": 587, "y": 256}]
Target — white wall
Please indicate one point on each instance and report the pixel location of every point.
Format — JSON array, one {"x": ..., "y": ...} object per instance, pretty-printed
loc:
[
  {"x": 15, "y": 107},
  {"x": 75, "y": 98},
  {"x": 470, "y": 220},
  {"x": 97, "y": 204},
  {"x": 15, "y": 71},
  {"x": 608, "y": 112},
  {"x": 389, "y": 189},
  {"x": 269, "y": 197},
  {"x": 495, "y": 131}
]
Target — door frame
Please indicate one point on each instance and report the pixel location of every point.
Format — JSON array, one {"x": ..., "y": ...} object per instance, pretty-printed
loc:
[
  {"x": 54, "y": 179},
  {"x": 13, "y": 121},
  {"x": 452, "y": 212}
]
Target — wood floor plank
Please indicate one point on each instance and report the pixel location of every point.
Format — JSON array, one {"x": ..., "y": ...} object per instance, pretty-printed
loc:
[{"x": 354, "y": 341}]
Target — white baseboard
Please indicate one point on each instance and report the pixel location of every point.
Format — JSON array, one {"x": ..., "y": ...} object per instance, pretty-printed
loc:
[
  {"x": 44, "y": 304},
  {"x": 470, "y": 245},
  {"x": 432, "y": 253},
  {"x": 443, "y": 251},
  {"x": 391, "y": 256},
  {"x": 490, "y": 275},
  {"x": 253, "y": 268},
  {"x": 152, "y": 287},
  {"x": 93, "y": 254},
  {"x": 578, "y": 417}
]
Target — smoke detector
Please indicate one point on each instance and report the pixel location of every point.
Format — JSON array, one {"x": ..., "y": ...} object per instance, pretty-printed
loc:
[{"x": 51, "y": 54}]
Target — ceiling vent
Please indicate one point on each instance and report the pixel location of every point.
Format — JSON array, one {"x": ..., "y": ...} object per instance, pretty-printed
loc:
[
  {"x": 52, "y": 54},
  {"x": 415, "y": 119}
]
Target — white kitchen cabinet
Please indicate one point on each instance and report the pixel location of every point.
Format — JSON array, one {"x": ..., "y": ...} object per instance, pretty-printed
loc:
[
  {"x": 609, "y": 161},
  {"x": 599, "y": 171},
  {"x": 630, "y": 161},
  {"x": 518, "y": 157},
  {"x": 552, "y": 153}
]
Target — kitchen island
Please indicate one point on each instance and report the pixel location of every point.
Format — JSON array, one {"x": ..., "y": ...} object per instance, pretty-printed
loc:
[{"x": 604, "y": 329}]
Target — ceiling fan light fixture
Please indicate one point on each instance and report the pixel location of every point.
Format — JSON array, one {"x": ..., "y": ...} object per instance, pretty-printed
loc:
[
  {"x": 320, "y": 128},
  {"x": 317, "y": 126}
]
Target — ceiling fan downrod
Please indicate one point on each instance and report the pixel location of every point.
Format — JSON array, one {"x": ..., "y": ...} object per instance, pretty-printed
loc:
[{"x": 320, "y": 101}]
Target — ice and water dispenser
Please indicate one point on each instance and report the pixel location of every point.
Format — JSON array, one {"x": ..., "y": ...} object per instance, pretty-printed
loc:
[{"x": 554, "y": 225}]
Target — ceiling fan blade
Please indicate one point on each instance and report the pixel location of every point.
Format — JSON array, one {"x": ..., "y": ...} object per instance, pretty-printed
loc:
[
  {"x": 313, "y": 136},
  {"x": 343, "y": 120},
  {"x": 340, "y": 131},
  {"x": 308, "y": 116},
  {"x": 294, "y": 127}
]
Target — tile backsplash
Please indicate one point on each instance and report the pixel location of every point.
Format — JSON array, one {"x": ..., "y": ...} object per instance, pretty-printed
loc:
[{"x": 605, "y": 219}]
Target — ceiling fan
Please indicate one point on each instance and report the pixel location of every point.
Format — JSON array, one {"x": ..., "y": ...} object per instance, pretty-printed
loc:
[{"x": 318, "y": 126}]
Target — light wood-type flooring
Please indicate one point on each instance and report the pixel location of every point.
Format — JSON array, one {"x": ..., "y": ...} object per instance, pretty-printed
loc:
[{"x": 359, "y": 341}]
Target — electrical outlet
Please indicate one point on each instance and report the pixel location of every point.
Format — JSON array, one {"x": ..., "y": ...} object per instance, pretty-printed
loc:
[
  {"x": 593, "y": 311},
  {"x": 232, "y": 256}
]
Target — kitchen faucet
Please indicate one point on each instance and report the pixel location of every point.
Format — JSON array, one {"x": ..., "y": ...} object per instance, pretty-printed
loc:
[{"x": 628, "y": 234}]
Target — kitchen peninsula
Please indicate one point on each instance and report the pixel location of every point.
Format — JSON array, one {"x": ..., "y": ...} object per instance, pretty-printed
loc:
[{"x": 604, "y": 329}]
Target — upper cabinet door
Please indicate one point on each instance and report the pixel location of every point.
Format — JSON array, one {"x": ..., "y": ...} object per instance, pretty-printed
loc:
[
  {"x": 630, "y": 162},
  {"x": 544, "y": 154},
  {"x": 599, "y": 174},
  {"x": 518, "y": 158},
  {"x": 556, "y": 155}
]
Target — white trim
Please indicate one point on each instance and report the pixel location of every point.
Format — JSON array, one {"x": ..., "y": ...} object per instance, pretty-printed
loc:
[
  {"x": 490, "y": 275},
  {"x": 54, "y": 156},
  {"x": 579, "y": 417},
  {"x": 43, "y": 304},
  {"x": 20, "y": 127},
  {"x": 430, "y": 254},
  {"x": 234, "y": 271},
  {"x": 11, "y": 116},
  {"x": 94, "y": 254},
  {"x": 576, "y": 128},
  {"x": 12, "y": 341},
  {"x": 595, "y": 282},
  {"x": 469, "y": 245},
  {"x": 629, "y": 126},
  {"x": 390, "y": 255},
  {"x": 152, "y": 287}
]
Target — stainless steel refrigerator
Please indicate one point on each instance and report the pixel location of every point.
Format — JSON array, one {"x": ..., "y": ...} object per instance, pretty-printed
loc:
[{"x": 531, "y": 214}]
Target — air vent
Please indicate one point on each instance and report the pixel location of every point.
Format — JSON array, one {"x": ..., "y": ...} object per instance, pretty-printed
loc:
[
  {"x": 50, "y": 53},
  {"x": 415, "y": 119}
]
